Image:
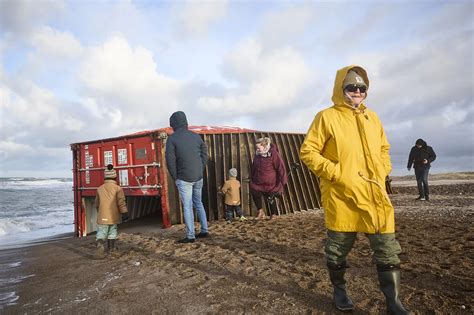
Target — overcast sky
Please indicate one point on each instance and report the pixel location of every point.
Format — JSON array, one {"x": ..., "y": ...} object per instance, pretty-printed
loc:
[{"x": 73, "y": 71}]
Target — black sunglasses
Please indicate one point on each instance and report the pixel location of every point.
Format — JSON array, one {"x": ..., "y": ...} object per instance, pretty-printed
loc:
[{"x": 354, "y": 87}]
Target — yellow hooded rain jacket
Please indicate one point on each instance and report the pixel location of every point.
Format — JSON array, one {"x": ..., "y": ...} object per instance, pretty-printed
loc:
[{"x": 348, "y": 150}]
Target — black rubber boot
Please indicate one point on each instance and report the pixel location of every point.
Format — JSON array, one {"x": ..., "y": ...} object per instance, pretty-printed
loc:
[
  {"x": 340, "y": 298},
  {"x": 389, "y": 278},
  {"x": 111, "y": 246}
]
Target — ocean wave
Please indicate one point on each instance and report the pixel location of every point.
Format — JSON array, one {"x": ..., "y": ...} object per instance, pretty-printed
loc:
[
  {"x": 36, "y": 184},
  {"x": 28, "y": 214},
  {"x": 10, "y": 226},
  {"x": 34, "y": 179},
  {"x": 24, "y": 224},
  {"x": 20, "y": 239},
  {"x": 34, "y": 208}
]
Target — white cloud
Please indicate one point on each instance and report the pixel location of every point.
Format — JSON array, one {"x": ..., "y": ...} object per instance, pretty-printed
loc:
[
  {"x": 56, "y": 44},
  {"x": 92, "y": 107},
  {"x": 31, "y": 106},
  {"x": 265, "y": 80},
  {"x": 33, "y": 159},
  {"x": 9, "y": 149},
  {"x": 193, "y": 18},
  {"x": 454, "y": 114},
  {"x": 117, "y": 67},
  {"x": 124, "y": 82},
  {"x": 425, "y": 78},
  {"x": 286, "y": 25}
]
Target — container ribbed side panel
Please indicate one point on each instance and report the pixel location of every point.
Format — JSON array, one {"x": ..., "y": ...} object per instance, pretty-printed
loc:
[
  {"x": 237, "y": 150},
  {"x": 142, "y": 206}
]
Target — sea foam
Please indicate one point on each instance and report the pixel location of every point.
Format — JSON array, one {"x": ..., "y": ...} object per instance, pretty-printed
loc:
[{"x": 33, "y": 208}]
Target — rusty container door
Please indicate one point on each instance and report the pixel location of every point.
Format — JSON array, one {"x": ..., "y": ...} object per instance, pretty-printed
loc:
[{"x": 137, "y": 161}]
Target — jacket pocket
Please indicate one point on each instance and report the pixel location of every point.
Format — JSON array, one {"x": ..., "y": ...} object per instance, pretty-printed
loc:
[{"x": 337, "y": 173}]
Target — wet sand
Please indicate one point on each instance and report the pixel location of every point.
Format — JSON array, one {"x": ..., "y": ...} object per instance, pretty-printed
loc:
[{"x": 256, "y": 267}]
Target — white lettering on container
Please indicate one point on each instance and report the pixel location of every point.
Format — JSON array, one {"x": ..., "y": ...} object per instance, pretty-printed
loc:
[
  {"x": 123, "y": 177},
  {"x": 122, "y": 156},
  {"x": 108, "y": 158}
]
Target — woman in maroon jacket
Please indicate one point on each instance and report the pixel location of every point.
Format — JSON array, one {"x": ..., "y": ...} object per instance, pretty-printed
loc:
[{"x": 268, "y": 177}]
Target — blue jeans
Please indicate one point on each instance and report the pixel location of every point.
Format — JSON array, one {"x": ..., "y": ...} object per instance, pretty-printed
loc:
[
  {"x": 422, "y": 181},
  {"x": 190, "y": 194}
]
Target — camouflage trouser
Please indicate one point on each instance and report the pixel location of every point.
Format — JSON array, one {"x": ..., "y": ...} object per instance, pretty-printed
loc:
[{"x": 385, "y": 247}]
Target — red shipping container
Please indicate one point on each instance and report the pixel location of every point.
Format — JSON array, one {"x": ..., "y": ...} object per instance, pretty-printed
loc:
[{"x": 139, "y": 160}]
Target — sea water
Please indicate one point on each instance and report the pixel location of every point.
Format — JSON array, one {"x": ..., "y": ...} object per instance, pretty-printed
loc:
[{"x": 32, "y": 209}]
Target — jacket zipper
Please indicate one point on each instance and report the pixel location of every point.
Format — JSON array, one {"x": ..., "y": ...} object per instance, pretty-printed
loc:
[{"x": 363, "y": 139}]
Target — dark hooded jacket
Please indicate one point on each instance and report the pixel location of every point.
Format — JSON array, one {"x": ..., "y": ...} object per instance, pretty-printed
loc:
[
  {"x": 417, "y": 155},
  {"x": 186, "y": 153},
  {"x": 268, "y": 173}
]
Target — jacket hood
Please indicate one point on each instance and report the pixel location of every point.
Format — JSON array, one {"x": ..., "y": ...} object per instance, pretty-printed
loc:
[
  {"x": 338, "y": 92},
  {"x": 178, "y": 120},
  {"x": 273, "y": 148},
  {"x": 421, "y": 142}
]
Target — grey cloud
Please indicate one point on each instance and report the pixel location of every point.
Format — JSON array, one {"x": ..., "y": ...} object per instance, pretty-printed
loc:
[
  {"x": 449, "y": 17},
  {"x": 20, "y": 17},
  {"x": 39, "y": 164}
]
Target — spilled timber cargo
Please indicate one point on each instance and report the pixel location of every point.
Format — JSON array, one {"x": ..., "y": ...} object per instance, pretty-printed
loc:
[{"x": 140, "y": 163}]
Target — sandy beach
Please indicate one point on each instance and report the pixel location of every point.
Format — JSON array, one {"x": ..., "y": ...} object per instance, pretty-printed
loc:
[{"x": 256, "y": 267}]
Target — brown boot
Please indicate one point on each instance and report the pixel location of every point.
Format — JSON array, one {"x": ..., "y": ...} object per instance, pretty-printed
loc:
[{"x": 100, "y": 244}]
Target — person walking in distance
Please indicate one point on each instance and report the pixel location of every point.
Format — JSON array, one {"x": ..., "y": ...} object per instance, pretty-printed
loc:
[
  {"x": 347, "y": 149},
  {"x": 111, "y": 207},
  {"x": 421, "y": 156},
  {"x": 186, "y": 158}
]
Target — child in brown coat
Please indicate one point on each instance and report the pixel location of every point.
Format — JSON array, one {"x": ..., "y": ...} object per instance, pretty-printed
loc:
[
  {"x": 112, "y": 209},
  {"x": 231, "y": 191}
]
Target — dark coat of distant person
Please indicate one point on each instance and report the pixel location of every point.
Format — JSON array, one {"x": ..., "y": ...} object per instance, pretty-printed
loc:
[{"x": 419, "y": 154}]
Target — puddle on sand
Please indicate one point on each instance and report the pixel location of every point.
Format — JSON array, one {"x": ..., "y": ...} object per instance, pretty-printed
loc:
[
  {"x": 10, "y": 276},
  {"x": 7, "y": 299}
]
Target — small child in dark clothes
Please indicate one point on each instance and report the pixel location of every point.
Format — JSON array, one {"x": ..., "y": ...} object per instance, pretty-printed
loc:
[{"x": 231, "y": 191}]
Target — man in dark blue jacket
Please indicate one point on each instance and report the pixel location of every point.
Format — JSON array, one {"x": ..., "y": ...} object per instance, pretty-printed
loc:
[
  {"x": 421, "y": 156},
  {"x": 186, "y": 158}
]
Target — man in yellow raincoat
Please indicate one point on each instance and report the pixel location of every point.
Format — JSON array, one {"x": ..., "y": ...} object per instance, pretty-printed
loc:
[{"x": 347, "y": 149}]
